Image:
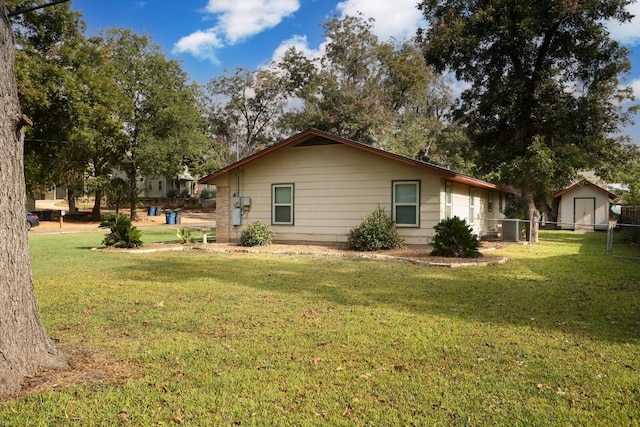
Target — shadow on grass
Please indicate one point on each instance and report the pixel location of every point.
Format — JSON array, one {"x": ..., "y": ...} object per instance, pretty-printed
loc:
[{"x": 583, "y": 293}]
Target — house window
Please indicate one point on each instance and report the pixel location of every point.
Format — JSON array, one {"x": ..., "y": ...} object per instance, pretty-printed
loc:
[
  {"x": 490, "y": 201},
  {"x": 159, "y": 185},
  {"x": 282, "y": 204},
  {"x": 406, "y": 203},
  {"x": 150, "y": 185},
  {"x": 501, "y": 202},
  {"x": 448, "y": 199},
  {"x": 472, "y": 204}
]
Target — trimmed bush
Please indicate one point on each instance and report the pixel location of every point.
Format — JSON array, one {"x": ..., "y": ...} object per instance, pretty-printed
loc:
[
  {"x": 376, "y": 232},
  {"x": 123, "y": 234},
  {"x": 256, "y": 234},
  {"x": 455, "y": 238}
]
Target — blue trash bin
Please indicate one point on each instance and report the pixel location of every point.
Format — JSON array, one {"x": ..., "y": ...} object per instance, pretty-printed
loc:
[
  {"x": 151, "y": 211},
  {"x": 170, "y": 217}
]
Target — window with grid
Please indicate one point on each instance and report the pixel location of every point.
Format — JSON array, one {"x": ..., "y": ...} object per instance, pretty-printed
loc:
[
  {"x": 282, "y": 204},
  {"x": 406, "y": 203}
]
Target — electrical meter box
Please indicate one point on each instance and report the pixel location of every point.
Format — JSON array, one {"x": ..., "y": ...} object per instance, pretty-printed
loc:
[
  {"x": 237, "y": 201},
  {"x": 237, "y": 216}
]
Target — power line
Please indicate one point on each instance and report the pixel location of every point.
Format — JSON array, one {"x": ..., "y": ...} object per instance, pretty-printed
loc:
[{"x": 31, "y": 9}]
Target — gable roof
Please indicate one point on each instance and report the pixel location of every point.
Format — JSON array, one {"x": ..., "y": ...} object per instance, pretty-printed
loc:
[
  {"x": 583, "y": 183},
  {"x": 311, "y": 137}
]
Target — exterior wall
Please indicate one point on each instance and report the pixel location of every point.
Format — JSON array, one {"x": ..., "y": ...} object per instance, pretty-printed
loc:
[
  {"x": 566, "y": 208},
  {"x": 223, "y": 214},
  {"x": 483, "y": 222},
  {"x": 335, "y": 186}
]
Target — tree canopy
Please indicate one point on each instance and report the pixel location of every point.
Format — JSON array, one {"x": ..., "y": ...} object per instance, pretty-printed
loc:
[{"x": 544, "y": 96}]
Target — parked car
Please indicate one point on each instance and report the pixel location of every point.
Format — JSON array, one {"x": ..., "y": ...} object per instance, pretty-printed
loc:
[{"x": 32, "y": 220}]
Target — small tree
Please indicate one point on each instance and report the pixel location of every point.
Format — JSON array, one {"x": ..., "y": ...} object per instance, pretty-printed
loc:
[
  {"x": 455, "y": 238},
  {"x": 376, "y": 231},
  {"x": 122, "y": 235}
]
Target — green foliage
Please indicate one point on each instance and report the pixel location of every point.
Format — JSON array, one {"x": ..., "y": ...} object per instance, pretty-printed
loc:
[
  {"x": 185, "y": 236},
  {"x": 208, "y": 194},
  {"x": 256, "y": 234},
  {"x": 454, "y": 238},
  {"x": 376, "y": 231},
  {"x": 370, "y": 91},
  {"x": 123, "y": 234},
  {"x": 544, "y": 92}
]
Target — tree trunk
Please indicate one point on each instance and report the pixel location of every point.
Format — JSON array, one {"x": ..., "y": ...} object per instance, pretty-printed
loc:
[
  {"x": 133, "y": 193},
  {"x": 531, "y": 212},
  {"x": 25, "y": 347},
  {"x": 95, "y": 212},
  {"x": 71, "y": 199}
]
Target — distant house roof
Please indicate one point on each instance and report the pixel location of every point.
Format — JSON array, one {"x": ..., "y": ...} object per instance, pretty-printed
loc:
[
  {"x": 316, "y": 137},
  {"x": 583, "y": 183}
]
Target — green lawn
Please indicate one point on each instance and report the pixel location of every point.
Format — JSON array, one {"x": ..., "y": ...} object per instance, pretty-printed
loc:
[{"x": 550, "y": 338}]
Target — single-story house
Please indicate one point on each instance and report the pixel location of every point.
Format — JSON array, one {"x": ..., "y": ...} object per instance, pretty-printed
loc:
[
  {"x": 183, "y": 185},
  {"x": 314, "y": 187},
  {"x": 584, "y": 206}
]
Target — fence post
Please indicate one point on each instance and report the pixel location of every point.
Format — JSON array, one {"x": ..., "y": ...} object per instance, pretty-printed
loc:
[{"x": 609, "y": 239}]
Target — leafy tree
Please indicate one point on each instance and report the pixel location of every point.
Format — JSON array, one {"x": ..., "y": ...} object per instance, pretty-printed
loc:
[
  {"x": 373, "y": 92},
  {"x": 162, "y": 122},
  {"x": 544, "y": 96},
  {"x": 44, "y": 78},
  {"x": 24, "y": 344},
  {"x": 244, "y": 108}
]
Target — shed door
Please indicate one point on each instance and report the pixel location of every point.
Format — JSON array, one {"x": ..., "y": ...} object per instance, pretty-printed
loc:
[{"x": 584, "y": 213}]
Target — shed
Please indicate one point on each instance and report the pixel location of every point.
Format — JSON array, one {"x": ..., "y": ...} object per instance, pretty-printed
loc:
[{"x": 584, "y": 206}]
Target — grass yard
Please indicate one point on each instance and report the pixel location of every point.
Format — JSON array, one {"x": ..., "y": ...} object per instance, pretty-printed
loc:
[{"x": 550, "y": 338}]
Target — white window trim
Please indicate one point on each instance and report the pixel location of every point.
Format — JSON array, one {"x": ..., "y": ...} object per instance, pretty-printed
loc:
[
  {"x": 416, "y": 205},
  {"x": 448, "y": 204},
  {"x": 274, "y": 204}
]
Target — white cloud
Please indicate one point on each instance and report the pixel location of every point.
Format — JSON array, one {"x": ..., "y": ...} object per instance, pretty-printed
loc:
[
  {"x": 201, "y": 44},
  {"x": 240, "y": 19},
  {"x": 301, "y": 44},
  {"x": 236, "y": 20},
  {"x": 635, "y": 85},
  {"x": 627, "y": 33},
  {"x": 399, "y": 18}
]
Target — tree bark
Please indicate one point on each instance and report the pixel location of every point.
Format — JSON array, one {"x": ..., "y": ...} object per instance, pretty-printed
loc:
[
  {"x": 25, "y": 347},
  {"x": 95, "y": 212},
  {"x": 531, "y": 212}
]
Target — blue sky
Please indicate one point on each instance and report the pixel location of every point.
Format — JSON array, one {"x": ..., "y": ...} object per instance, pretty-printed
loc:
[{"x": 209, "y": 36}]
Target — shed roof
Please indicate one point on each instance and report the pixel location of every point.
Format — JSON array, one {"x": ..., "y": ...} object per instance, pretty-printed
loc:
[
  {"x": 311, "y": 137},
  {"x": 583, "y": 183}
]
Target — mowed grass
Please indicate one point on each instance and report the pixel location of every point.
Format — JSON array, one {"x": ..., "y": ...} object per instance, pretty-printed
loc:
[{"x": 550, "y": 338}]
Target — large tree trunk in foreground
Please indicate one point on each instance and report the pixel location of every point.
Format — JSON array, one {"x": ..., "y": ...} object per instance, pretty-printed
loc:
[{"x": 24, "y": 345}]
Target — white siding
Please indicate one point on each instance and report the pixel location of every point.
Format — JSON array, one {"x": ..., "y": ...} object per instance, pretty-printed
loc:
[
  {"x": 335, "y": 186},
  {"x": 566, "y": 212}
]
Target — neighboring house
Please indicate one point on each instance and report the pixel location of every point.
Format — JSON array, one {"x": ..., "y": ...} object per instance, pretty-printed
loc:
[
  {"x": 584, "y": 206},
  {"x": 184, "y": 185},
  {"x": 315, "y": 187}
]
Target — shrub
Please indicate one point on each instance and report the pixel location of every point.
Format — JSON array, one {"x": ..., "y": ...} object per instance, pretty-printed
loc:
[
  {"x": 454, "y": 238},
  {"x": 256, "y": 234},
  {"x": 376, "y": 231},
  {"x": 123, "y": 234},
  {"x": 208, "y": 194},
  {"x": 185, "y": 236}
]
